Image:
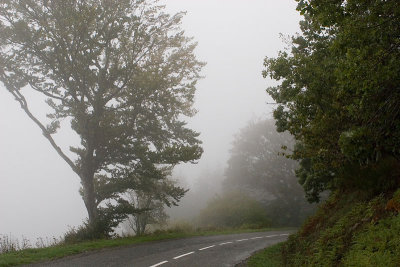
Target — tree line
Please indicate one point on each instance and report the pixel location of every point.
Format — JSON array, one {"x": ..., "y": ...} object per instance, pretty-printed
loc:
[{"x": 260, "y": 188}]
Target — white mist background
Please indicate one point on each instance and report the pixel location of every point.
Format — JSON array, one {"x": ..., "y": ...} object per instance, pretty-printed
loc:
[{"x": 39, "y": 192}]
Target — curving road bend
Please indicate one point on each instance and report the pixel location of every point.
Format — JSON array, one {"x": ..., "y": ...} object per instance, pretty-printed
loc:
[{"x": 218, "y": 251}]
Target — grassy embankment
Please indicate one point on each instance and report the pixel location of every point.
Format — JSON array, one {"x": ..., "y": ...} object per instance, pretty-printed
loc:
[
  {"x": 349, "y": 229},
  {"x": 269, "y": 257},
  {"x": 37, "y": 255}
]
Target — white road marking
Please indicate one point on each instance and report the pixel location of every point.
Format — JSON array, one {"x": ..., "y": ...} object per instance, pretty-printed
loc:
[
  {"x": 183, "y": 255},
  {"x": 271, "y": 235},
  {"x": 221, "y": 244},
  {"x": 158, "y": 264},
  {"x": 225, "y": 243},
  {"x": 207, "y": 247}
]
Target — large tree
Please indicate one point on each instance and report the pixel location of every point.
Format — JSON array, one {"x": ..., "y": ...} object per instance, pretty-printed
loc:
[
  {"x": 122, "y": 72},
  {"x": 340, "y": 90}
]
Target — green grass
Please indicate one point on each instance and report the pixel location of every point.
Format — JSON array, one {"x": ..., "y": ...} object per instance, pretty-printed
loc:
[
  {"x": 43, "y": 254},
  {"x": 269, "y": 257}
]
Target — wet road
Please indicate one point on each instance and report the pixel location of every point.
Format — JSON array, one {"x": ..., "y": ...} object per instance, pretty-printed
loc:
[{"x": 218, "y": 251}]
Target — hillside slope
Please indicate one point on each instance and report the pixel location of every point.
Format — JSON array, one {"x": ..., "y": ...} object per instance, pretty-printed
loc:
[{"x": 350, "y": 229}]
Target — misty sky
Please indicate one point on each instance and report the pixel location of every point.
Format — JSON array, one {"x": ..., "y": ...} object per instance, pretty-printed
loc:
[{"x": 38, "y": 191}]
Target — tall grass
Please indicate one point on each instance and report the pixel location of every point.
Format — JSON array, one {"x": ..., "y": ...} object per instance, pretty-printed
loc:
[{"x": 9, "y": 243}]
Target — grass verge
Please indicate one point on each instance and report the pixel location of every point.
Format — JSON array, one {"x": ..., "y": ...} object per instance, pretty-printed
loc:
[
  {"x": 269, "y": 257},
  {"x": 34, "y": 255}
]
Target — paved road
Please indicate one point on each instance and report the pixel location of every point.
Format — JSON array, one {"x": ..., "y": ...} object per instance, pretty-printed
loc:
[{"x": 208, "y": 251}]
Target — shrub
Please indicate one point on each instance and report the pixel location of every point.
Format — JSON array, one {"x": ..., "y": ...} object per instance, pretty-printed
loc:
[
  {"x": 85, "y": 232},
  {"x": 234, "y": 210}
]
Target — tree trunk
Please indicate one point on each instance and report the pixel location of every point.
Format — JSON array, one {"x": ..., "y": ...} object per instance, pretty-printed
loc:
[
  {"x": 87, "y": 178},
  {"x": 87, "y": 175},
  {"x": 89, "y": 199}
]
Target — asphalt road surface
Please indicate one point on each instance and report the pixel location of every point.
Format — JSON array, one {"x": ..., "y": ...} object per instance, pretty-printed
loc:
[{"x": 207, "y": 251}]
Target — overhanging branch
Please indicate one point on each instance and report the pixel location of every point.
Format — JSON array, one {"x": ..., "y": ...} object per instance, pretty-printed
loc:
[{"x": 22, "y": 101}]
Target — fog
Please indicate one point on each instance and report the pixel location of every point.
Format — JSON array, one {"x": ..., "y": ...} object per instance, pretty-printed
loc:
[{"x": 38, "y": 190}]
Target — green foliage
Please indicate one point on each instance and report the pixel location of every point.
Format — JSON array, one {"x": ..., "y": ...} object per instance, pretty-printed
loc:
[
  {"x": 82, "y": 233},
  {"x": 123, "y": 73},
  {"x": 269, "y": 257},
  {"x": 351, "y": 229},
  {"x": 339, "y": 93},
  {"x": 109, "y": 217},
  {"x": 258, "y": 166},
  {"x": 377, "y": 245},
  {"x": 234, "y": 210},
  {"x": 375, "y": 177}
]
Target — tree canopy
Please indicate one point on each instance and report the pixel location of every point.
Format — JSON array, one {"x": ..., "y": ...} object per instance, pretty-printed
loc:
[
  {"x": 123, "y": 73},
  {"x": 339, "y": 91}
]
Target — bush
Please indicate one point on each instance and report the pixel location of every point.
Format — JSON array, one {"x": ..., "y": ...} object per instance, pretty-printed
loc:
[
  {"x": 234, "y": 210},
  {"x": 85, "y": 232}
]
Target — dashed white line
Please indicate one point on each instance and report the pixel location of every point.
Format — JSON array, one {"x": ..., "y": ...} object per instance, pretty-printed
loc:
[
  {"x": 158, "y": 264},
  {"x": 271, "y": 235},
  {"x": 221, "y": 244},
  {"x": 207, "y": 247},
  {"x": 183, "y": 255}
]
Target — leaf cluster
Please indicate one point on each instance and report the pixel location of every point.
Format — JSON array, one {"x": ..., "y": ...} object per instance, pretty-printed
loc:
[{"x": 339, "y": 91}]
